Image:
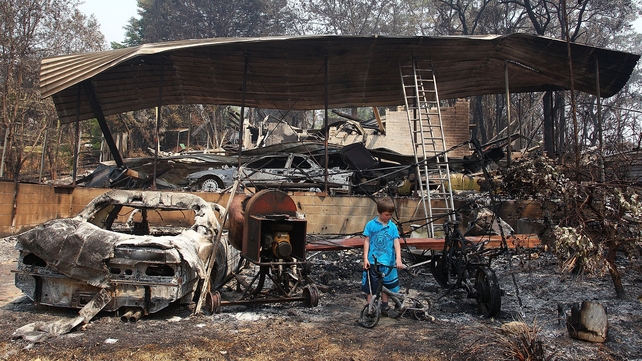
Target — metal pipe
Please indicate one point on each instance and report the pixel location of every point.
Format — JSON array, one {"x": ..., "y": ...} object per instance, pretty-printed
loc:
[
  {"x": 135, "y": 316},
  {"x": 242, "y": 117},
  {"x": 126, "y": 316},
  {"x": 325, "y": 125},
  {"x": 158, "y": 120},
  {"x": 74, "y": 172},
  {"x": 508, "y": 130}
]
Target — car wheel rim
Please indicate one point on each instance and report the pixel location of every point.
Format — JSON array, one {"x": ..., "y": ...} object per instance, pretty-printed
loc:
[{"x": 209, "y": 185}]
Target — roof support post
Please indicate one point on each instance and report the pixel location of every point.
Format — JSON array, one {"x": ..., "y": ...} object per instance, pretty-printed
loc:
[
  {"x": 98, "y": 113},
  {"x": 508, "y": 130},
  {"x": 158, "y": 120},
  {"x": 576, "y": 141},
  {"x": 600, "y": 157},
  {"x": 74, "y": 171},
  {"x": 325, "y": 124},
  {"x": 242, "y": 117}
]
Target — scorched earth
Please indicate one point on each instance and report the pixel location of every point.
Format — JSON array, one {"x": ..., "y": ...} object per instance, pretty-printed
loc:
[{"x": 533, "y": 285}]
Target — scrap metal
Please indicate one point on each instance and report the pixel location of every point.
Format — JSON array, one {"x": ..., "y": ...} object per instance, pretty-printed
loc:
[{"x": 66, "y": 262}]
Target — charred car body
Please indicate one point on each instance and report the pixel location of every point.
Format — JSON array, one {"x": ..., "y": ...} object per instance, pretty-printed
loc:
[
  {"x": 283, "y": 171},
  {"x": 113, "y": 244}
]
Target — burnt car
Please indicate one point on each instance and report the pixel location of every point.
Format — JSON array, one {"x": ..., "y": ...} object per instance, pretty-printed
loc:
[
  {"x": 147, "y": 249},
  {"x": 282, "y": 171}
]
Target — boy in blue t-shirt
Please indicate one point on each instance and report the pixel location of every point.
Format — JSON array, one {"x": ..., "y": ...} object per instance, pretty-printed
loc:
[{"x": 382, "y": 242}]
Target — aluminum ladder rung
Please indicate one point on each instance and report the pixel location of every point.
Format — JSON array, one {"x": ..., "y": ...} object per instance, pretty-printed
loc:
[{"x": 425, "y": 124}]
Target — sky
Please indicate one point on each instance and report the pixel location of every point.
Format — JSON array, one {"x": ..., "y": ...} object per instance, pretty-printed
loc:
[{"x": 112, "y": 15}]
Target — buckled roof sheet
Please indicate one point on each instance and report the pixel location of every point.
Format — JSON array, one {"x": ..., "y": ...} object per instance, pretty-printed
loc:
[{"x": 289, "y": 72}]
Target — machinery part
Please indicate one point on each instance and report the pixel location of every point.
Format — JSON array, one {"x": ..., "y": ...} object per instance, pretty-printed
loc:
[
  {"x": 263, "y": 271},
  {"x": 306, "y": 269},
  {"x": 213, "y": 302},
  {"x": 210, "y": 184},
  {"x": 281, "y": 247},
  {"x": 370, "y": 317},
  {"x": 311, "y": 296},
  {"x": 489, "y": 295},
  {"x": 441, "y": 271}
]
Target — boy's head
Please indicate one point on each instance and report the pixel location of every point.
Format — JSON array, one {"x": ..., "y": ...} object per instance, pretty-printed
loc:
[{"x": 385, "y": 205}]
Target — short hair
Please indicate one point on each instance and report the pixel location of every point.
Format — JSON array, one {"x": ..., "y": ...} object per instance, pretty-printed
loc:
[{"x": 385, "y": 205}]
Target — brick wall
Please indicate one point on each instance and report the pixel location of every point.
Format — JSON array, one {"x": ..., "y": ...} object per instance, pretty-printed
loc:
[
  {"x": 455, "y": 120},
  {"x": 325, "y": 214}
]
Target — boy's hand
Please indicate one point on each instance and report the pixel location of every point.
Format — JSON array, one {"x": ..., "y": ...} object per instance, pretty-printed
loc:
[
  {"x": 366, "y": 264},
  {"x": 400, "y": 264}
]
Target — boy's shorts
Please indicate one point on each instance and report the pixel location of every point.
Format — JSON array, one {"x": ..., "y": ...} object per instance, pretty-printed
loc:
[{"x": 390, "y": 279}]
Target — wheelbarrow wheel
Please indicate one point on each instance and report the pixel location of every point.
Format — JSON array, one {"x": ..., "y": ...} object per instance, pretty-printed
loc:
[
  {"x": 310, "y": 296},
  {"x": 213, "y": 302},
  {"x": 489, "y": 295}
]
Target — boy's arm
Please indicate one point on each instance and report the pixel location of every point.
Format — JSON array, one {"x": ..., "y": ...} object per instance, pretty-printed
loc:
[
  {"x": 366, "y": 249},
  {"x": 398, "y": 262}
]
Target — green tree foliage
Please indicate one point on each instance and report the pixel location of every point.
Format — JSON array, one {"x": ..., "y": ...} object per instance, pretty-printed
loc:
[
  {"x": 362, "y": 17},
  {"x": 161, "y": 20},
  {"x": 31, "y": 30}
]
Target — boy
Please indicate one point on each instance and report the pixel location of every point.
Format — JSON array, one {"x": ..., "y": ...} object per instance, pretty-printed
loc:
[{"x": 382, "y": 242}]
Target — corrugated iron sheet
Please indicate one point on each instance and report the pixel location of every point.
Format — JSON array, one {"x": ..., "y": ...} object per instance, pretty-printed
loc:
[{"x": 289, "y": 72}]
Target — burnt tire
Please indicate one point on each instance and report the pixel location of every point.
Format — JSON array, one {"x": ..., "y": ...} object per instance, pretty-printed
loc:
[
  {"x": 440, "y": 271},
  {"x": 489, "y": 295}
]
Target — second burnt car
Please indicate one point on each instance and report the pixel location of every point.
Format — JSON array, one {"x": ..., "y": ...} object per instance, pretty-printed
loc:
[
  {"x": 279, "y": 171},
  {"x": 147, "y": 249}
]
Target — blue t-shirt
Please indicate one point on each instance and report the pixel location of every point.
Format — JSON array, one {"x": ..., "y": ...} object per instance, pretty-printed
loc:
[{"x": 382, "y": 242}]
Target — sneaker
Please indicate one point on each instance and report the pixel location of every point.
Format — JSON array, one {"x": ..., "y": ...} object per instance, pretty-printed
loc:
[{"x": 389, "y": 312}]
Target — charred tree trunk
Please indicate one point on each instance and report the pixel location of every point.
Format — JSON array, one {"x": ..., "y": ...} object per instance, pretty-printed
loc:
[{"x": 615, "y": 274}]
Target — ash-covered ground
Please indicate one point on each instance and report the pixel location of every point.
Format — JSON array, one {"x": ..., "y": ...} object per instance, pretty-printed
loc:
[{"x": 330, "y": 331}]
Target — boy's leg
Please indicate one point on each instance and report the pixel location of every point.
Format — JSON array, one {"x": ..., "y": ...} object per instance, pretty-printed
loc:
[{"x": 391, "y": 282}]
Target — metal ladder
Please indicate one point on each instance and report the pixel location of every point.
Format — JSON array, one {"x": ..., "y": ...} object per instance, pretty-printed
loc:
[{"x": 424, "y": 119}]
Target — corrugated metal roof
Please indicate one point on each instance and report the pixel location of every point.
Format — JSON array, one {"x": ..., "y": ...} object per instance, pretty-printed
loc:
[{"x": 289, "y": 72}]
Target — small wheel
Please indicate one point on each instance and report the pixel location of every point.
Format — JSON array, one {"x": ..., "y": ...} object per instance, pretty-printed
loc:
[
  {"x": 489, "y": 295},
  {"x": 420, "y": 311},
  {"x": 370, "y": 317},
  {"x": 213, "y": 302},
  {"x": 440, "y": 271},
  {"x": 311, "y": 295}
]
